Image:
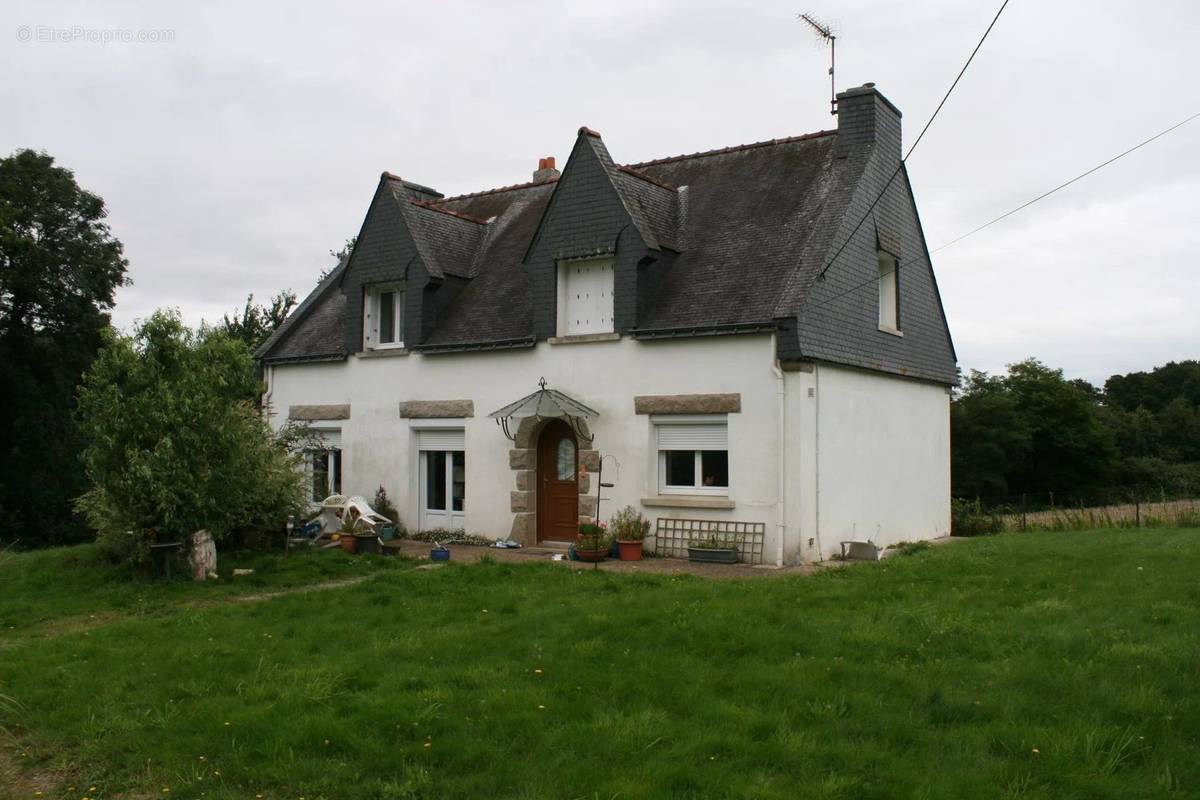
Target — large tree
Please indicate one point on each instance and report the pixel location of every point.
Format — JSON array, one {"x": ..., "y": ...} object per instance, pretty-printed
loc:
[
  {"x": 59, "y": 269},
  {"x": 174, "y": 445},
  {"x": 1029, "y": 430},
  {"x": 257, "y": 322}
]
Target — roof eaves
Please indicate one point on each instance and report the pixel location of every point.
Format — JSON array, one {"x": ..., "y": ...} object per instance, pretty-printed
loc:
[
  {"x": 459, "y": 347},
  {"x": 302, "y": 310},
  {"x": 729, "y": 329}
]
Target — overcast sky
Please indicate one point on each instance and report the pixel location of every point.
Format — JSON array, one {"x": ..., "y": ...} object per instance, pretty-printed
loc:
[{"x": 234, "y": 156}]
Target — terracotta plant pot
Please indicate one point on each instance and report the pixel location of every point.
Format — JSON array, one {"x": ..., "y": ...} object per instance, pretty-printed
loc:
[
  {"x": 630, "y": 551},
  {"x": 591, "y": 556},
  {"x": 348, "y": 543}
]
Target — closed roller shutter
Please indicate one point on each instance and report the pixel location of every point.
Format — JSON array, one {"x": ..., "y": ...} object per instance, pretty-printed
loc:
[
  {"x": 693, "y": 436},
  {"x": 441, "y": 439},
  {"x": 331, "y": 438}
]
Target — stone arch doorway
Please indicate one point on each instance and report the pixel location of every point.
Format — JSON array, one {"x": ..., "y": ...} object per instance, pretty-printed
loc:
[
  {"x": 557, "y": 485},
  {"x": 524, "y": 461}
]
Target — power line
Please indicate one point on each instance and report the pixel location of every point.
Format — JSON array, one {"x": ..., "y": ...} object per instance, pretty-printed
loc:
[
  {"x": 1078, "y": 177},
  {"x": 920, "y": 136}
]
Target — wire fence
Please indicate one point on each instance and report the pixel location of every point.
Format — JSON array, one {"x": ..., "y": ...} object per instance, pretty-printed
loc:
[{"x": 1145, "y": 506}]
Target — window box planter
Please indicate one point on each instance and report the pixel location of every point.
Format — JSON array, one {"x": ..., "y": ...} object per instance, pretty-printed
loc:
[{"x": 713, "y": 555}]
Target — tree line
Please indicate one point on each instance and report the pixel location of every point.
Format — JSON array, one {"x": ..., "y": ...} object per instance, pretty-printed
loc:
[{"x": 1032, "y": 431}]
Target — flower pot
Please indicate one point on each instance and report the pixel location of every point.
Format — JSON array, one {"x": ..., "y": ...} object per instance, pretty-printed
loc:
[
  {"x": 713, "y": 555},
  {"x": 591, "y": 556},
  {"x": 630, "y": 551},
  {"x": 367, "y": 543},
  {"x": 439, "y": 554},
  {"x": 349, "y": 543}
]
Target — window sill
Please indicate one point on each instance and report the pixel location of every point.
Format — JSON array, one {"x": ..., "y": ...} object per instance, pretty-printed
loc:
[
  {"x": 584, "y": 338},
  {"x": 687, "y": 501},
  {"x": 889, "y": 330},
  {"x": 384, "y": 352}
]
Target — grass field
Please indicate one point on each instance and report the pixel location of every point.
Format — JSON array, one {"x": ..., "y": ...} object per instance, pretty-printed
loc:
[{"x": 1058, "y": 665}]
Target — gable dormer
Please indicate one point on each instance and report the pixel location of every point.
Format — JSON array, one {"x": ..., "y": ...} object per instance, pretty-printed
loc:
[
  {"x": 410, "y": 260},
  {"x": 601, "y": 226}
]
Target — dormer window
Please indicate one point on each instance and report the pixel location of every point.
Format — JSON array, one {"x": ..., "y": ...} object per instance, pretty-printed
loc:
[
  {"x": 585, "y": 296},
  {"x": 889, "y": 293},
  {"x": 383, "y": 320}
]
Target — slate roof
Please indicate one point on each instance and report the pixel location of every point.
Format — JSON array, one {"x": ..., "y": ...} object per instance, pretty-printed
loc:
[
  {"x": 744, "y": 232},
  {"x": 750, "y": 210}
]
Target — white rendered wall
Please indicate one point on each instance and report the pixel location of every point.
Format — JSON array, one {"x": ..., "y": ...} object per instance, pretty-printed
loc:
[
  {"x": 867, "y": 455},
  {"x": 379, "y": 447},
  {"x": 876, "y": 461}
]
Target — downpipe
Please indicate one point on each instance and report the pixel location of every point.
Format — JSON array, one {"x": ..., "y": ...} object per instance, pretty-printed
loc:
[{"x": 781, "y": 470}]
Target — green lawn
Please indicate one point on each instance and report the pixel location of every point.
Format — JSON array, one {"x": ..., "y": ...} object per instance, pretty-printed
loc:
[{"x": 1060, "y": 665}]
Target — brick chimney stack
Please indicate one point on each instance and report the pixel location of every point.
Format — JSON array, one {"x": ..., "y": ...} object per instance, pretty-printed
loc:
[{"x": 545, "y": 171}]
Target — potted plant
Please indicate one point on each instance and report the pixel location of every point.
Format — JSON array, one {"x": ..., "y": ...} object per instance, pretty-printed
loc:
[
  {"x": 713, "y": 550},
  {"x": 345, "y": 536},
  {"x": 630, "y": 529},
  {"x": 593, "y": 542},
  {"x": 367, "y": 540}
]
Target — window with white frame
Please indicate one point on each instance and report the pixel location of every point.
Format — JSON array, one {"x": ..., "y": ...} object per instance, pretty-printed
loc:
[
  {"x": 383, "y": 318},
  {"x": 443, "y": 477},
  {"x": 323, "y": 466},
  {"x": 585, "y": 296},
  {"x": 889, "y": 294},
  {"x": 693, "y": 454}
]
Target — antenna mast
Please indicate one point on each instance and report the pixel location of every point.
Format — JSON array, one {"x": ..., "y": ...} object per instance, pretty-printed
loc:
[{"x": 822, "y": 30}]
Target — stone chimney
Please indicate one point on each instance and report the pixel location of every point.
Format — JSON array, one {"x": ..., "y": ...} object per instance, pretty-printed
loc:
[
  {"x": 866, "y": 117},
  {"x": 545, "y": 171}
]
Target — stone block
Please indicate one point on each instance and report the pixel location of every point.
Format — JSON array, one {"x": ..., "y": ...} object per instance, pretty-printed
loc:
[
  {"x": 522, "y": 459},
  {"x": 687, "y": 404},
  {"x": 524, "y": 528},
  {"x": 589, "y": 459},
  {"x": 522, "y": 501},
  {"x": 436, "y": 409}
]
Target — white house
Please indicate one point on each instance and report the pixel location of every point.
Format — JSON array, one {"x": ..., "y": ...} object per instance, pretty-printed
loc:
[{"x": 741, "y": 334}]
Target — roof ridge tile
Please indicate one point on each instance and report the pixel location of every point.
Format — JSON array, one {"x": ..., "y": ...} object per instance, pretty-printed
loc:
[
  {"x": 432, "y": 206},
  {"x": 731, "y": 149},
  {"x": 647, "y": 178},
  {"x": 498, "y": 190}
]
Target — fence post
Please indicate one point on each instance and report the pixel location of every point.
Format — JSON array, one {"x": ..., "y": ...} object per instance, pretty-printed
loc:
[{"x": 1024, "y": 509}]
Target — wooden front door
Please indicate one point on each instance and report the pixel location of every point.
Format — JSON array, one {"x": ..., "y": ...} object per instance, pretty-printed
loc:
[{"x": 557, "y": 484}]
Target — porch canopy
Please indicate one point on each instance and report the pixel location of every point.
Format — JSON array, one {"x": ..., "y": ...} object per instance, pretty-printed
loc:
[{"x": 545, "y": 404}]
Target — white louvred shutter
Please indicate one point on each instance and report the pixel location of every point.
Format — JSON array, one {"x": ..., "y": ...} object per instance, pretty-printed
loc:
[
  {"x": 693, "y": 436},
  {"x": 441, "y": 439}
]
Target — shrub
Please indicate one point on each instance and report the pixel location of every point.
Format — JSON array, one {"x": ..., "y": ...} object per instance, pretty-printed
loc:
[
  {"x": 175, "y": 445},
  {"x": 968, "y": 518},
  {"x": 383, "y": 504},
  {"x": 593, "y": 537}
]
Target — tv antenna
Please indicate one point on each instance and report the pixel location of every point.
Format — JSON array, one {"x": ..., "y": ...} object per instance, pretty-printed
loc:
[{"x": 825, "y": 32}]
